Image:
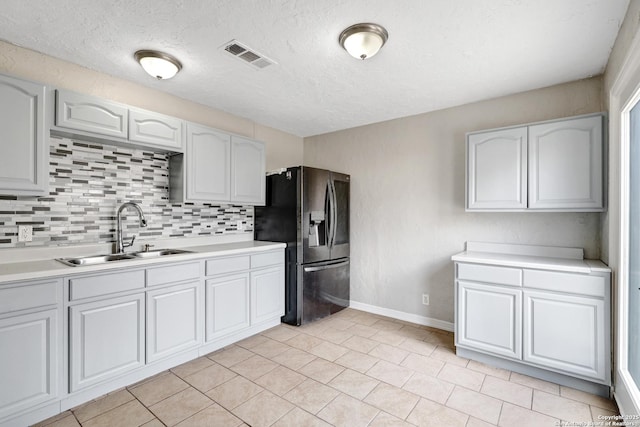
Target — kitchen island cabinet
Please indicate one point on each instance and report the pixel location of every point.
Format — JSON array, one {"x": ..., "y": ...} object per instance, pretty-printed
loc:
[
  {"x": 541, "y": 311},
  {"x": 23, "y": 138}
]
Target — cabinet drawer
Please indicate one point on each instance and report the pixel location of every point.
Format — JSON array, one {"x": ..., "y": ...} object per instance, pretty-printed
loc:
[
  {"x": 269, "y": 258},
  {"x": 29, "y": 295},
  {"x": 104, "y": 284},
  {"x": 227, "y": 265},
  {"x": 173, "y": 273},
  {"x": 565, "y": 282},
  {"x": 490, "y": 274}
]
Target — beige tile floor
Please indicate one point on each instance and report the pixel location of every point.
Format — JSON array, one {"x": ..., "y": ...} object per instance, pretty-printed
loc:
[{"x": 352, "y": 369}]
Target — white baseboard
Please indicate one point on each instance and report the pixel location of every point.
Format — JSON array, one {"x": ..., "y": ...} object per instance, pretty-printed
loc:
[{"x": 401, "y": 315}]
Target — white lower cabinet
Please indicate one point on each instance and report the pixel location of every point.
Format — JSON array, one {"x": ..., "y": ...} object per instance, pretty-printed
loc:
[
  {"x": 565, "y": 332},
  {"x": 30, "y": 345},
  {"x": 115, "y": 327},
  {"x": 28, "y": 360},
  {"x": 227, "y": 305},
  {"x": 243, "y": 291},
  {"x": 490, "y": 318},
  {"x": 106, "y": 339},
  {"x": 556, "y": 320},
  {"x": 173, "y": 320},
  {"x": 267, "y": 294}
]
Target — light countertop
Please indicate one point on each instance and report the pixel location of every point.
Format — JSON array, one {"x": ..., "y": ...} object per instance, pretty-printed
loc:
[
  {"x": 542, "y": 258},
  {"x": 47, "y": 268}
]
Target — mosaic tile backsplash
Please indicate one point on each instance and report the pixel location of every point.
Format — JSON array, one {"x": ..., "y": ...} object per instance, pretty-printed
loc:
[{"x": 87, "y": 184}]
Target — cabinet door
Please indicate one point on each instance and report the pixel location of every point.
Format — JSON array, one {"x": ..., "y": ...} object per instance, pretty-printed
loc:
[
  {"x": 28, "y": 360},
  {"x": 155, "y": 129},
  {"x": 247, "y": 171},
  {"x": 23, "y": 164},
  {"x": 267, "y": 294},
  {"x": 566, "y": 333},
  {"x": 173, "y": 320},
  {"x": 227, "y": 305},
  {"x": 106, "y": 339},
  {"x": 208, "y": 157},
  {"x": 497, "y": 170},
  {"x": 489, "y": 319},
  {"x": 565, "y": 164},
  {"x": 90, "y": 114}
]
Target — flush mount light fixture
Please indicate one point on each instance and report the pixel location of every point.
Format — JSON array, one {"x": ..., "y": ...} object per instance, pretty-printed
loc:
[
  {"x": 160, "y": 65},
  {"x": 362, "y": 41}
]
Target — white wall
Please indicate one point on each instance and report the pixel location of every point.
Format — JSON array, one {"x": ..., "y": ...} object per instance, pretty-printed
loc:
[
  {"x": 283, "y": 149},
  {"x": 407, "y": 194}
]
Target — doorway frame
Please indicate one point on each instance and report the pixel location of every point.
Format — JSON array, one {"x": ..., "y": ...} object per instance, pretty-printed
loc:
[{"x": 623, "y": 96}]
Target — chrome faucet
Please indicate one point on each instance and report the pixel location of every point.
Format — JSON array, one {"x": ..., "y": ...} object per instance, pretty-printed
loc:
[{"x": 120, "y": 240}]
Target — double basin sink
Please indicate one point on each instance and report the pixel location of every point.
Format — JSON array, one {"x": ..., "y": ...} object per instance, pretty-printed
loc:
[{"x": 104, "y": 259}]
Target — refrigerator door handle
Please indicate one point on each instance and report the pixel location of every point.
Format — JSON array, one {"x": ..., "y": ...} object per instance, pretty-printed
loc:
[
  {"x": 329, "y": 213},
  {"x": 333, "y": 212},
  {"x": 326, "y": 266}
]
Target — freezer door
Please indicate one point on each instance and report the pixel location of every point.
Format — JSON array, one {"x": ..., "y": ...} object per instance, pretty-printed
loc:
[
  {"x": 277, "y": 221},
  {"x": 315, "y": 214},
  {"x": 339, "y": 217},
  {"x": 325, "y": 289}
]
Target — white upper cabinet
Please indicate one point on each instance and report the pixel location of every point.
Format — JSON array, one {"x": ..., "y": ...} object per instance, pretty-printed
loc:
[
  {"x": 90, "y": 114},
  {"x": 497, "y": 169},
  {"x": 88, "y": 117},
  {"x": 157, "y": 129},
  {"x": 247, "y": 171},
  {"x": 218, "y": 168},
  {"x": 565, "y": 160},
  {"x": 208, "y": 164},
  {"x": 23, "y": 164},
  {"x": 549, "y": 166}
]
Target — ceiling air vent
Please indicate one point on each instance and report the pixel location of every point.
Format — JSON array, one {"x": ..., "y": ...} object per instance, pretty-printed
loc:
[{"x": 247, "y": 55}]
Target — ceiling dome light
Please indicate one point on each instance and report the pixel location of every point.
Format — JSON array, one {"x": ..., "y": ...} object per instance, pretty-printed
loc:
[
  {"x": 362, "y": 41},
  {"x": 160, "y": 65}
]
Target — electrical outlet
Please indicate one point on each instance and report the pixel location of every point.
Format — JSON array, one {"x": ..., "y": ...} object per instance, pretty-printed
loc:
[
  {"x": 25, "y": 233},
  {"x": 240, "y": 225},
  {"x": 425, "y": 299}
]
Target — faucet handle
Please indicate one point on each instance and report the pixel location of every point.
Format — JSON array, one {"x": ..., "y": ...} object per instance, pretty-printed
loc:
[
  {"x": 126, "y": 244},
  {"x": 147, "y": 246}
]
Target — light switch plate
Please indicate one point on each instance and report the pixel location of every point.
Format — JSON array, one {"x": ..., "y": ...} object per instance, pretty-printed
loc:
[{"x": 25, "y": 233}]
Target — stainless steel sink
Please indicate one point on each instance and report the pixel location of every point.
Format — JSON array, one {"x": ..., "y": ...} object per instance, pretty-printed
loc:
[
  {"x": 159, "y": 252},
  {"x": 94, "y": 259},
  {"x": 103, "y": 259}
]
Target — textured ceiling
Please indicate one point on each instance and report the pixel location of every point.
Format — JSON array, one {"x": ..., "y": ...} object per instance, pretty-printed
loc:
[{"x": 440, "y": 53}]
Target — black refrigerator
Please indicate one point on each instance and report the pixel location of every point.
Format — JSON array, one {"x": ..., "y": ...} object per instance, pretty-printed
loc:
[{"x": 308, "y": 209}]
